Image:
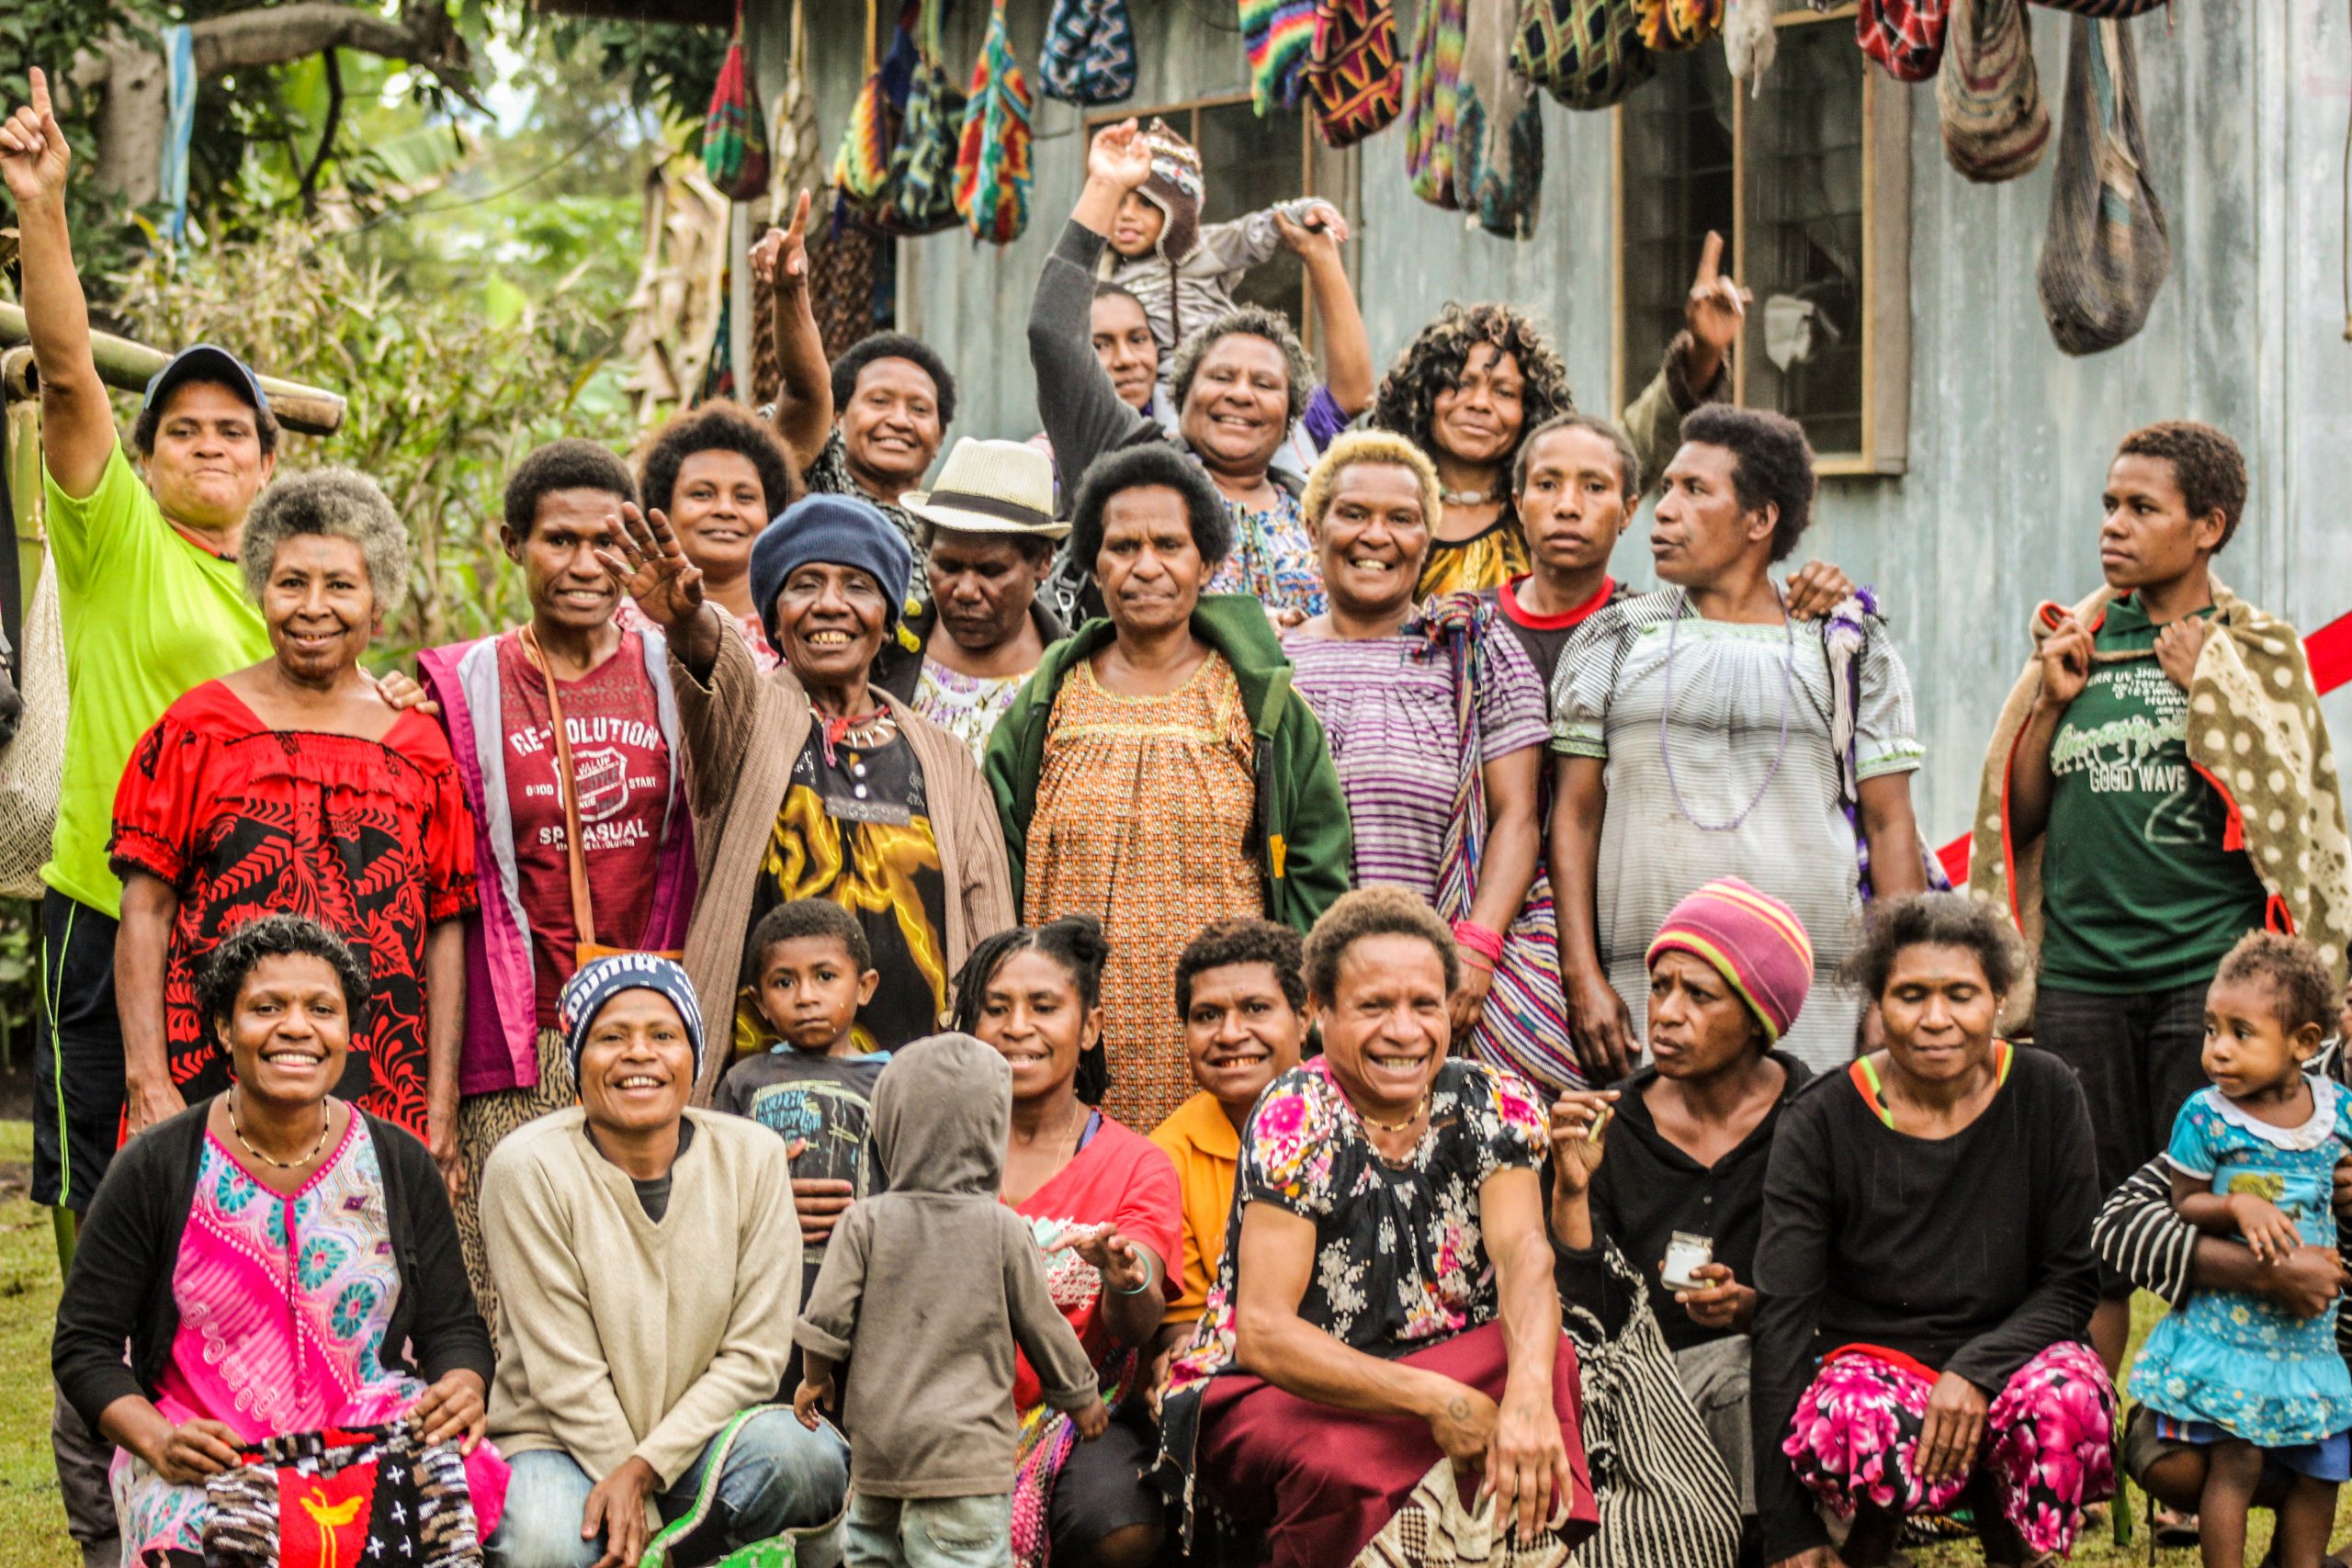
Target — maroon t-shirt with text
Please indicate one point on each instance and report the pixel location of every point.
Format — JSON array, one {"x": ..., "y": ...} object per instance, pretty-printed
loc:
[{"x": 613, "y": 721}]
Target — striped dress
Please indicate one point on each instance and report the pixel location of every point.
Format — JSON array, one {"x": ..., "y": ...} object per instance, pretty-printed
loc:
[{"x": 1386, "y": 704}]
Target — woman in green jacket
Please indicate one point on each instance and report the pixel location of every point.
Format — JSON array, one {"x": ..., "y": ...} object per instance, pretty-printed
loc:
[{"x": 1158, "y": 772}]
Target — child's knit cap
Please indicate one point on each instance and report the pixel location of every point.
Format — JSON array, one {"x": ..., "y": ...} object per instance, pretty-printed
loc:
[{"x": 1175, "y": 188}]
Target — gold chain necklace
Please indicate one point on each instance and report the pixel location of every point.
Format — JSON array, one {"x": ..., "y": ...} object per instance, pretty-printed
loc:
[
  {"x": 1404, "y": 1126},
  {"x": 326, "y": 1124}
]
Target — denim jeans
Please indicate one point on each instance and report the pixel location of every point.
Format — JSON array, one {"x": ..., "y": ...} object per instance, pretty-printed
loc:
[
  {"x": 928, "y": 1532},
  {"x": 779, "y": 1476}
]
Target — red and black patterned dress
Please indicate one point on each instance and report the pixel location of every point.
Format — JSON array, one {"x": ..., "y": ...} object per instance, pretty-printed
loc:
[{"x": 369, "y": 838}]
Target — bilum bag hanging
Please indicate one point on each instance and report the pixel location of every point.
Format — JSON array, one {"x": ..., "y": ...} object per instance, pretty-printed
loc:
[
  {"x": 1987, "y": 93},
  {"x": 920, "y": 197},
  {"x": 1089, "y": 54},
  {"x": 862, "y": 167},
  {"x": 734, "y": 138},
  {"x": 1907, "y": 37},
  {"x": 1586, "y": 53},
  {"x": 1353, "y": 73},
  {"x": 993, "y": 171},
  {"x": 2107, "y": 250},
  {"x": 34, "y": 763},
  {"x": 1276, "y": 35}
]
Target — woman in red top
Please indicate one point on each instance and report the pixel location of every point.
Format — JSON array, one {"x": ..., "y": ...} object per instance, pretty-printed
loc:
[
  {"x": 292, "y": 786},
  {"x": 1107, "y": 1212}
]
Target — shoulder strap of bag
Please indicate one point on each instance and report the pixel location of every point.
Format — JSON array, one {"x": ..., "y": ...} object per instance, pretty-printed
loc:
[{"x": 583, "y": 913}]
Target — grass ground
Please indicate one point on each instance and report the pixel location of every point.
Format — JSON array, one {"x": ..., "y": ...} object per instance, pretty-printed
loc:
[{"x": 32, "y": 1523}]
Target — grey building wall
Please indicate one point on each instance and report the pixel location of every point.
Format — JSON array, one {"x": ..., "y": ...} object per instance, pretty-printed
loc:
[{"x": 2245, "y": 103}]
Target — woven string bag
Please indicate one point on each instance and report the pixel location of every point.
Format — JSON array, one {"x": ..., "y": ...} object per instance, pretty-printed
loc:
[
  {"x": 1987, "y": 93},
  {"x": 1090, "y": 54},
  {"x": 34, "y": 762},
  {"x": 920, "y": 197},
  {"x": 1433, "y": 102},
  {"x": 734, "y": 133},
  {"x": 1586, "y": 53},
  {"x": 1354, "y": 76},
  {"x": 1278, "y": 36},
  {"x": 862, "y": 167},
  {"x": 2106, "y": 253},
  {"x": 1907, "y": 37},
  {"x": 1499, "y": 136},
  {"x": 993, "y": 170}
]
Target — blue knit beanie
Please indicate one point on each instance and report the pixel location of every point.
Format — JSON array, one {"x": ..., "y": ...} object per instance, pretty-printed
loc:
[
  {"x": 585, "y": 994},
  {"x": 838, "y": 530}
]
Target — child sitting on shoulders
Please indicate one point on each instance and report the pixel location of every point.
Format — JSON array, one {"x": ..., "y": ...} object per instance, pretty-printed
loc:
[
  {"x": 2254, "y": 1156},
  {"x": 1181, "y": 272},
  {"x": 930, "y": 1288},
  {"x": 812, "y": 970}
]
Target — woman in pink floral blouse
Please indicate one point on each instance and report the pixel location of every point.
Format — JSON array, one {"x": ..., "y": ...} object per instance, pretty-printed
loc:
[{"x": 1386, "y": 1303}]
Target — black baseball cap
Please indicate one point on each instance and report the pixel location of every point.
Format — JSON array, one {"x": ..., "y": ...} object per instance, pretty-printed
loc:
[{"x": 207, "y": 362}]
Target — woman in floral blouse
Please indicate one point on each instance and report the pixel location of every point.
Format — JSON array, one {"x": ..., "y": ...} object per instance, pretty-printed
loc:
[{"x": 1387, "y": 1304}]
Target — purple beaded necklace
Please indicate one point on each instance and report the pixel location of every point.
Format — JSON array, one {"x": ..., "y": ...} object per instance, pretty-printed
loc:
[{"x": 1665, "y": 718}]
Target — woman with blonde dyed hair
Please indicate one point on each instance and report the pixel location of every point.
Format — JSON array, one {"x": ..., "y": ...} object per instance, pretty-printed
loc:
[{"x": 1436, "y": 721}]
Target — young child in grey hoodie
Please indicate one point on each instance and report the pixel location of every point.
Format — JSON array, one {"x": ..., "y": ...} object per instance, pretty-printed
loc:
[{"x": 928, "y": 1289}]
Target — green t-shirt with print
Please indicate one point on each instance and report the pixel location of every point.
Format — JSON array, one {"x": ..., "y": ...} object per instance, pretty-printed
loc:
[
  {"x": 2138, "y": 894},
  {"x": 147, "y": 616}
]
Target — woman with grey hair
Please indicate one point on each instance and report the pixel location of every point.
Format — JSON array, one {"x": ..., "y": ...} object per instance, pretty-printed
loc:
[{"x": 292, "y": 785}]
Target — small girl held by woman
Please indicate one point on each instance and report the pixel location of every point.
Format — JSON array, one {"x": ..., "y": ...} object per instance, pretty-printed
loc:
[{"x": 2254, "y": 1156}]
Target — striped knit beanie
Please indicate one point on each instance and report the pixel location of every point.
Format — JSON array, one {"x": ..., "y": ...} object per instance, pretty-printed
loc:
[
  {"x": 1753, "y": 940},
  {"x": 585, "y": 994}
]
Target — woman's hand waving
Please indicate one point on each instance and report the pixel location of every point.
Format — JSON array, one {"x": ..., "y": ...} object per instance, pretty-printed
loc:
[{"x": 647, "y": 560}]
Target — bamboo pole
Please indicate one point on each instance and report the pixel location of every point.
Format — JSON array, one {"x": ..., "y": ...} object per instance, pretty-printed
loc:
[{"x": 129, "y": 365}]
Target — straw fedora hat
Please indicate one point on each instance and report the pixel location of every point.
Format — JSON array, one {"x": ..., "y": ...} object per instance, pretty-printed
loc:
[{"x": 991, "y": 487}]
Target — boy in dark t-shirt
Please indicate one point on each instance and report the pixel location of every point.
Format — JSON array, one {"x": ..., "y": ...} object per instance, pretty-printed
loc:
[{"x": 809, "y": 971}]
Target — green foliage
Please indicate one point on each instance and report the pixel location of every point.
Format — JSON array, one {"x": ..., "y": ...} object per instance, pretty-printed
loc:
[
  {"x": 446, "y": 390},
  {"x": 669, "y": 68}
]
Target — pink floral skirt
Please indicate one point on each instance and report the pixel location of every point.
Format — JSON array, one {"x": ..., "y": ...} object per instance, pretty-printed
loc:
[{"x": 2049, "y": 1439}]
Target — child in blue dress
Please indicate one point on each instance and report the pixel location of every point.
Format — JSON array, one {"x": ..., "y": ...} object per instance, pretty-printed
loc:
[{"x": 2254, "y": 1156}]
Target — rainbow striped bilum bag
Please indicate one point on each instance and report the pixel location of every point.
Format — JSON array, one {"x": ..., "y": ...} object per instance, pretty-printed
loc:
[
  {"x": 1278, "y": 35},
  {"x": 992, "y": 167},
  {"x": 920, "y": 195},
  {"x": 734, "y": 140}
]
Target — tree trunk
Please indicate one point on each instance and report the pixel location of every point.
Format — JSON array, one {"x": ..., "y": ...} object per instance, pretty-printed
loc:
[{"x": 134, "y": 117}]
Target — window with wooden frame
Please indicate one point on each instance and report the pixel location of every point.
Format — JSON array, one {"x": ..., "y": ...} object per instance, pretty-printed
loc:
[
  {"x": 1248, "y": 164},
  {"x": 1809, "y": 181}
]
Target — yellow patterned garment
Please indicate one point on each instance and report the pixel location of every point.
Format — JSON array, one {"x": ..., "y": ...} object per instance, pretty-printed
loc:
[
  {"x": 1143, "y": 819},
  {"x": 855, "y": 829},
  {"x": 1488, "y": 558}
]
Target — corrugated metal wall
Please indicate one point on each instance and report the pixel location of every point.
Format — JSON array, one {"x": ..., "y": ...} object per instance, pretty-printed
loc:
[{"x": 2245, "y": 102}]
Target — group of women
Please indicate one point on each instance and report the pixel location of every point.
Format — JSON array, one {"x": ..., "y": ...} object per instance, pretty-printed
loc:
[{"x": 502, "y": 910}]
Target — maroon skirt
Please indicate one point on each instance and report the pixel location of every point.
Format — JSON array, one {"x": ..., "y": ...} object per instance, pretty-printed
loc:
[{"x": 1320, "y": 1482}]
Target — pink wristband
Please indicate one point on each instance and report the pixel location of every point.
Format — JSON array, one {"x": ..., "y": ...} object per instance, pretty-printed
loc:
[{"x": 1477, "y": 939}]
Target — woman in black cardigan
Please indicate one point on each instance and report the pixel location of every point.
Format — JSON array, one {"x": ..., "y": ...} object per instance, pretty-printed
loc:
[
  {"x": 1925, "y": 1274},
  {"x": 277, "y": 1261}
]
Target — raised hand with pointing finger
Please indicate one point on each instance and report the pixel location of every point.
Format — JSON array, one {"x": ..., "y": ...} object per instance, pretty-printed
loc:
[
  {"x": 1715, "y": 312},
  {"x": 34, "y": 157},
  {"x": 780, "y": 259}
]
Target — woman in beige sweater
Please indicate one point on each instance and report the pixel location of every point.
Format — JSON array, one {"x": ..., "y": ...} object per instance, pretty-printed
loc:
[{"x": 649, "y": 1268}]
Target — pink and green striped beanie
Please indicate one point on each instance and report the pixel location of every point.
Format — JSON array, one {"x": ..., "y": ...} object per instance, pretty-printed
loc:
[{"x": 1753, "y": 940}]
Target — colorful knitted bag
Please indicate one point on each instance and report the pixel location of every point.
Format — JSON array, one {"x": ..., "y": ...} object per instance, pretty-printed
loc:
[
  {"x": 1586, "y": 53},
  {"x": 1499, "y": 132},
  {"x": 862, "y": 167},
  {"x": 1089, "y": 55},
  {"x": 993, "y": 171},
  {"x": 734, "y": 140},
  {"x": 321, "y": 1499},
  {"x": 1433, "y": 102},
  {"x": 920, "y": 195},
  {"x": 1987, "y": 93},
  {"x": 2105, "y": 10},
  {"x": 1352, "y": 75},
  {"x": 1904, "y": 35},
  {"x": 1278, "y": 35},
  {"x": 1672, "y": 26}
]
